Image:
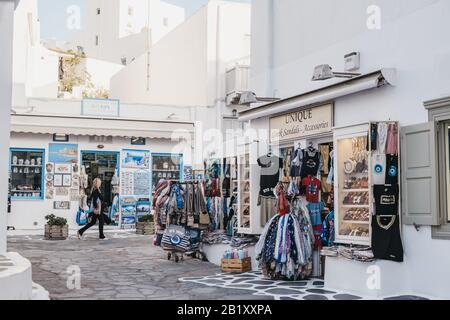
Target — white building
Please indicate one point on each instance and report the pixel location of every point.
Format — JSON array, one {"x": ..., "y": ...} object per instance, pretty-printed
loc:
[
  {"x": 290, "y": 38},
  {"x": 119, "y": 31},
  {"x": 188, "y": 67},
  {"x": 35, "y": 67}
]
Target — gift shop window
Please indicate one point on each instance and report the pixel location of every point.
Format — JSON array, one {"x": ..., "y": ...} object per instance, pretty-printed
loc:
[{"x": 27, "y": 169}]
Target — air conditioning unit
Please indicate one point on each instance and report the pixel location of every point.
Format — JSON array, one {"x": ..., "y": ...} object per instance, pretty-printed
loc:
[{"x": 237, "y": 82}]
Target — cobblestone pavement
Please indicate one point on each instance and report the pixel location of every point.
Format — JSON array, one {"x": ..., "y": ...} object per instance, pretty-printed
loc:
[
  {"x": 126, "y": 267},
  {"x": 129, "y": 267}
]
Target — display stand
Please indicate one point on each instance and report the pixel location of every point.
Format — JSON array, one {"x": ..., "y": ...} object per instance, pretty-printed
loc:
[
  {"x": 166, "y": 166},
  {"x": 249, "y": 218},
  {"x": 354, "y": 206},
  {"x": 135, "y": 184}
]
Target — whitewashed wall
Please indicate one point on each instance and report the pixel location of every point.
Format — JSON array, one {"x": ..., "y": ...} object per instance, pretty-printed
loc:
[
  {"x": 411, "y": 39},
  {"x": 188, "y": 66},
  {"x": 6, "y": 74},
  {"x": 177, "y": 72},
  {"x": 121, "y": 34}
]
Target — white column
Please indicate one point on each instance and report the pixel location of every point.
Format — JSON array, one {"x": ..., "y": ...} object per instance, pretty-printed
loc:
[{"x": 6, "y": 56}]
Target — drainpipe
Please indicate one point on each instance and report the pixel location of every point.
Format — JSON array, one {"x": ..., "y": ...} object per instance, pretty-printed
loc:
[{"x": 6, "y": 80}]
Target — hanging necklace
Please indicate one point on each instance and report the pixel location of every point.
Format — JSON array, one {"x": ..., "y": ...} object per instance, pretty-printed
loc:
[{"x": 389, "y": 225}]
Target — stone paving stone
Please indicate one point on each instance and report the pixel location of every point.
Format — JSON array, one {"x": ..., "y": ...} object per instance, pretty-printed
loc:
[
  {"x": 212, "y": 281},
  {"x": 264, "y": 287},
  {"x": 314, "y": 297},
  {"x": 320, "y": 291},
  {"x": 294, "y": 284},
  {"x": 346, "y": 297},
  {"x": 318, "y": 283},
  {"x": 281, "y": 291}
]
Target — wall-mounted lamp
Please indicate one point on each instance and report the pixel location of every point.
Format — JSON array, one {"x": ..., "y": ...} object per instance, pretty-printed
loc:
[
  {"x": 325, "y": 72},
  {"x": 60, "y": 137}
]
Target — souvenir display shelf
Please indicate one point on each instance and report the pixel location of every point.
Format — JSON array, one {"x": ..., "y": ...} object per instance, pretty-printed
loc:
[
  {"x": 27, "y": 174},
  {"x": 166, "y": 166},
  {"x": 249, "y": 221},
  {"x": 354, "y": 199},
  {"x": 353, "y": 192}
]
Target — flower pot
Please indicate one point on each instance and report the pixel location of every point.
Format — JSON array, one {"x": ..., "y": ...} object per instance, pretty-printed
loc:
[
  {"x": 56, "y": 232},
  {"x": 145, "y": 228}
]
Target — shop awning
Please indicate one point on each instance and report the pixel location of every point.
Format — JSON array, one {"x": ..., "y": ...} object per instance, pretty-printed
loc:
[
  {"x": 88, "y": 126},
  {"x": 326, "y": 94}
]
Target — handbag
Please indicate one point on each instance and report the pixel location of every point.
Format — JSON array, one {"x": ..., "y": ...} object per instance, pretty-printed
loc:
[
  {"x": 205, "y": 218},
  {"x": 82, "y": 217},
  {"x": 176, "y": 238}
]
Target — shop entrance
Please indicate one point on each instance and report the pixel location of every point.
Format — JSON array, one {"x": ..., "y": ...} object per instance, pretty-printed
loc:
[
  {"x": 103, "y": 165},
  {"x": 324, "y": 177}
]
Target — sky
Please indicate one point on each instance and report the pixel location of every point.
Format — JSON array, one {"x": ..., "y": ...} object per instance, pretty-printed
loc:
[{"x": 53, "y": 14}]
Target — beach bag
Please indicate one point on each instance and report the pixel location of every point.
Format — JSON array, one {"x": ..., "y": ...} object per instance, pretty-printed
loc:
[
  {"x": 175, "y": 238},
  {"x": 82, "y": 217}
]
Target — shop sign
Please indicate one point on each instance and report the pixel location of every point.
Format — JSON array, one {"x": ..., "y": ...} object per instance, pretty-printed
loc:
[
  {"x": 302, "y": 123},
  {"x": 100, "y": 107}
]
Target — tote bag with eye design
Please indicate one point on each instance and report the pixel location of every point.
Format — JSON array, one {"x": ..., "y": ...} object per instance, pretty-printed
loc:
[{"x": 176, "y": 238}]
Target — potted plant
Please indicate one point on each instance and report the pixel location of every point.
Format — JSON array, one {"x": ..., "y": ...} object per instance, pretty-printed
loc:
[
  {"x": 56, "y": 228},
  {"x": 145, "y": 225}
]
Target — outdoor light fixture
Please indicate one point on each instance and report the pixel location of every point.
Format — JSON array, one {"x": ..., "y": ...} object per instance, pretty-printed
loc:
[
  {"x": 325, "y": 72},
  {"x": 60, "y": 137},
  {"x": 248, "y": 97}
]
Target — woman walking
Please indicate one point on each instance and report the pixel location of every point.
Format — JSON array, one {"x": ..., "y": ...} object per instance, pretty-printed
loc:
[{"x": 95, "y": 210}]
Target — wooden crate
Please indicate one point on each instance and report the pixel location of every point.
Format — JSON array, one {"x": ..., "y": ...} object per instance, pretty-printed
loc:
[
  {"x": 236, "y": 265},
  {"x": 56, "y": 232},
  {"x": 145, "y": 228}
]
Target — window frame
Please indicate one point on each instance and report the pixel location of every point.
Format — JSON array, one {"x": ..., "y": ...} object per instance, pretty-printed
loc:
[{"x": 439, "y": 113}]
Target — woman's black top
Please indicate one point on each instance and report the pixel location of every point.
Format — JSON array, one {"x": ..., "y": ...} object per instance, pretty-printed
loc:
[{"x": 95, "y": 196}]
